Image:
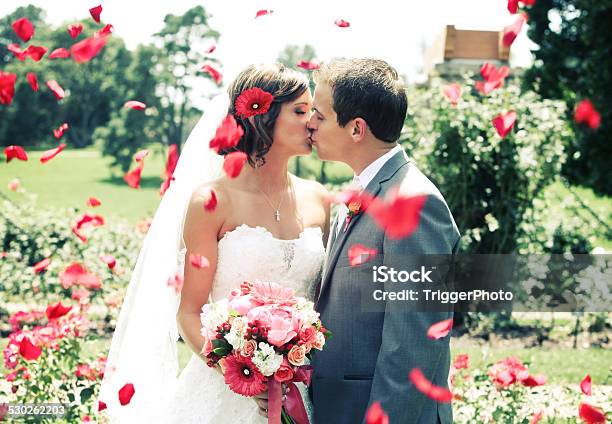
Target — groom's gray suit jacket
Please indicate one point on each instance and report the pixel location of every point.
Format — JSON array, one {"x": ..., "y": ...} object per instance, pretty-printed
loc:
[{"x": 370, "y": 355}]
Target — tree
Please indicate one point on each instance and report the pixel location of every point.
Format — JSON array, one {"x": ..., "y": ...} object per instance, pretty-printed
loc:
[
  {"x": 162, "y": 75},
  {"x": 573, "y": 62}
]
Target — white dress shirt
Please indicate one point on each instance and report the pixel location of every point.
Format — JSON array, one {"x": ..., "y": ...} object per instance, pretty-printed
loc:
[{"x": 362, "y": 180}]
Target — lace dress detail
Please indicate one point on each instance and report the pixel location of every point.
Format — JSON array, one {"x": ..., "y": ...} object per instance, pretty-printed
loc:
[{"x": 245, "y": 254}]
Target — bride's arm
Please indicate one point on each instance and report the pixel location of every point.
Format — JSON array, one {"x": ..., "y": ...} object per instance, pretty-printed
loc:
[{"x": 200, "y": 234}]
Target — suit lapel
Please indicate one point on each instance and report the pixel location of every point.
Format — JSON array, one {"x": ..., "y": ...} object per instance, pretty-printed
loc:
[{"x": 386, "y": 172}]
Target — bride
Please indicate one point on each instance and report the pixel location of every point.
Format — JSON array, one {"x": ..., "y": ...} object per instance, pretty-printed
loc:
[{"x": 268, "y": 225}]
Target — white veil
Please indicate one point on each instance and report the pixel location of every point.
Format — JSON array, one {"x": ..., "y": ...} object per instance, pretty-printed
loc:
[{"x": 143, "y": 351}]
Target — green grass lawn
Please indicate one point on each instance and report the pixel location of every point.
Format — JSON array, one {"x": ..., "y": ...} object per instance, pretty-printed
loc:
[{"x": 73, "y": 176}]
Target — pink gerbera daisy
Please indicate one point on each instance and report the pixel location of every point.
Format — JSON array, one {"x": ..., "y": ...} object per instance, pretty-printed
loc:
[{"x": 243, "y": 377}]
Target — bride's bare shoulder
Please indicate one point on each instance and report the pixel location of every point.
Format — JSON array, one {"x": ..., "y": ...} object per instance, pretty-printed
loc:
[{"x": 310, "y": 187}]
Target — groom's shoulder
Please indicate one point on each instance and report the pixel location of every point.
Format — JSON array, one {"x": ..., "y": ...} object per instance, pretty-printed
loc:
[{"x": 412, "y": 181}]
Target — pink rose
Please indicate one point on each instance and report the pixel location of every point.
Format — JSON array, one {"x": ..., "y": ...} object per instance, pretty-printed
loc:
[
  {"x": 249, "y": 347},
  {"x": 308, "y": 335},
  {"x": 284, "y": 372},
  {"x": 297, "y": 355}
]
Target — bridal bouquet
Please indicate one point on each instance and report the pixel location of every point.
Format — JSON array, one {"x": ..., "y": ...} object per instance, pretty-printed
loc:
[{"x": 261, "y": 337}]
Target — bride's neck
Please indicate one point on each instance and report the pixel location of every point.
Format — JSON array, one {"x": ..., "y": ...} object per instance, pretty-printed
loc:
[{"x": 270, "y": 177}]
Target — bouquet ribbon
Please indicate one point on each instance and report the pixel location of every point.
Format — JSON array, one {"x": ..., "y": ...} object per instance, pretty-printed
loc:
[{"x": 294, "y": 405}]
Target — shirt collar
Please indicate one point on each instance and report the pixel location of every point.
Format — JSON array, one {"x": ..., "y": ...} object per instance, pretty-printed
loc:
[{"x": 372, "y": 169}]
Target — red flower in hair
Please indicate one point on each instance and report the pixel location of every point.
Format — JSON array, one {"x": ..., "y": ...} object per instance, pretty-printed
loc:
[
  {"x": 243, "y": 377},
  {"x": 253, "y": 101}
]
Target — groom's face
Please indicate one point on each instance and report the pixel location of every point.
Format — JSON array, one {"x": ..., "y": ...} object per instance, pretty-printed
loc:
[{"x": 330, "y": 139}]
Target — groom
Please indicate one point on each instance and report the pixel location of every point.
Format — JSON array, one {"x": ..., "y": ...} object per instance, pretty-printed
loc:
[{"x": 359, "y": 110}]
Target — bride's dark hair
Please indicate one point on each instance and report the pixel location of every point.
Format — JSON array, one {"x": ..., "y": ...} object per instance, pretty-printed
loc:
[{"x": 284, "y": 84}]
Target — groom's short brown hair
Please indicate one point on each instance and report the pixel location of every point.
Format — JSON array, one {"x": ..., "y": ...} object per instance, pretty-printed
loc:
[{"x": 366, "y": 88}]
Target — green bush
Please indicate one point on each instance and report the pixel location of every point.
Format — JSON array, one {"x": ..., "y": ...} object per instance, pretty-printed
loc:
[{"x": 489, "y": 183}]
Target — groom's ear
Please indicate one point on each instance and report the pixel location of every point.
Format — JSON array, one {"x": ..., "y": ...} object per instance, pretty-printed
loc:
[{"x": 358, "y": 129}]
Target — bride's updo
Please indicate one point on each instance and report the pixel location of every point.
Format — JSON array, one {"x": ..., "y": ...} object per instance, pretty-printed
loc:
[{"x": 284, "y": 84}]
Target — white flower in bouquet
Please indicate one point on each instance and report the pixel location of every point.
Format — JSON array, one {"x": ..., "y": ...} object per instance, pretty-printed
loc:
[
  {"x": 236, "y": 335},
  {"x": 214, "y": 314},
  {"x": 266, "y": 359}
]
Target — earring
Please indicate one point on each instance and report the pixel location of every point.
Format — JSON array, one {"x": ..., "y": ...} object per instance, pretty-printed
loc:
[{"x": 259, "y": 162}]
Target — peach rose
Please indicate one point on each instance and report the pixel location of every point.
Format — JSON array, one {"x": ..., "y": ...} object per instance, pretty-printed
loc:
[
  {"x": 297, "y": 355},
  {"x": 319, "y": 342},
  {"x": 249, "y": 347}
]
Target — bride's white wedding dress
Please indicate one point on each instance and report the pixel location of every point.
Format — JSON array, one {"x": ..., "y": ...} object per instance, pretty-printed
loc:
[{"x": 245, "y": 254}]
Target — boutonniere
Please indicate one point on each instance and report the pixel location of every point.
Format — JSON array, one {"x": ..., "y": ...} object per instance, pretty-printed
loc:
[{"x": 354, "y": 209}]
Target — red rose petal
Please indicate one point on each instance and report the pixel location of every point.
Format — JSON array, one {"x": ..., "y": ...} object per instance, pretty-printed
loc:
[
  {"x": 95, "y": 13},
  {"x": 227, "y": 135},
  {"x": 176, "y": 281},
  {"x": 359, "y": 254},
  {"x": 132, "y": 178},
  {"x": 376, "y": 415},
  {"x": 41, "y": 266},
  {"x": 126, "y": 393},
  {"x": 17, "y": 52},
  {"x": 537, "y": 417},
  {"x": 198, "y": 261},
  {"x": 74, "y": 30},
  {"x": 233, "y": 163},
  {"x": 342, "y": 23},
  {"x": 309, "y": 65},
  {"x": 504, "y": 122},
  {"x": 134, "y": 104},
  {"x": 32, "y": 80},
  {"x": 453, "y": 93},
  {"x": 60, "y": 53},
  {"x": 36, "y": 52},
  {"x": 586, "y": 113},
  {"x": 591, "y": 414},
  {"x": 57, "y": 90},
  {"x": 7, "y": 87},
  {"x": 50, "y": 154},
  {"x": 585, "y": 385},
  {"x": 263, "y": 12},
  {"x": 439, "y": 394},
  {"x": 109, "y": 260},
  {"x": 398, "y": 215},
  {"x": 93, "y": 202},
  {"x": 513, "y": 6},
  {"x": 213, "y": 72},
  {"x": 56, "y": 311},
  {"x": 513, "y": 30},
  {"x": 101, "y": 406},
  {"x": 87, "y": 49},
  {"x": 211, "y": 203},
  {"x": 140, "y": 155},
  {"x": 211, "y": 48},
  {"x": 28, "y": 350},
  {"x": 18, "y": 152},
  {"x": 107, "y": 30},
  {"x": 24, "y": 29},
  {"x": 59, "y": 132},
  {"x": 534, "y": 380},
  {"x": 440, "y": 329}
]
